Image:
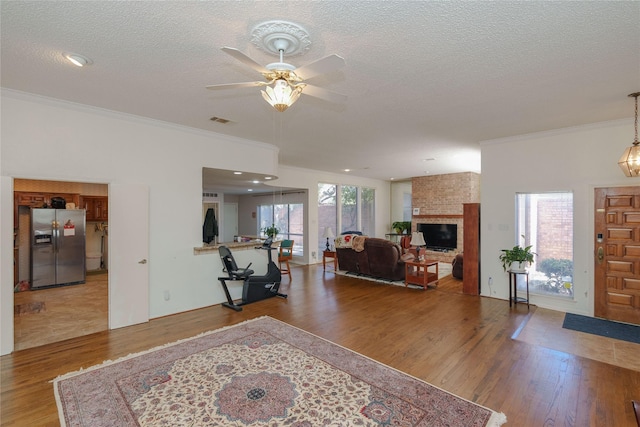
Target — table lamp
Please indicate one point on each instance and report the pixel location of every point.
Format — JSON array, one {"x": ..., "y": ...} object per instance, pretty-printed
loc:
[
  {"x": 328, "y": 234},
  {"x": 417, "y": 240}
]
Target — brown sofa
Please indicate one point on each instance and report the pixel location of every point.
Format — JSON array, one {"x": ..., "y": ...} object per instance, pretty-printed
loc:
[{"x": 380, "y": 258}]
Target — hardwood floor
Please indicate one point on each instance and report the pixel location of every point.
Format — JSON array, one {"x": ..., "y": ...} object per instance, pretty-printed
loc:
[
  {"x": 544, "y": 328},
  {"x": 50, "y": 315},
  {"x": 457, "y": 342}
]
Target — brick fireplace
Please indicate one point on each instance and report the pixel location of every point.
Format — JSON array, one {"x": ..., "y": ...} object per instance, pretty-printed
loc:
[{"x": 440, "y": 199}]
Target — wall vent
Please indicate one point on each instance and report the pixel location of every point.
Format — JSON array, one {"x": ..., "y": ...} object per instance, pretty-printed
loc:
[
  {"x": 206, "y": 195},
  {"x": 219, "y": 120}
]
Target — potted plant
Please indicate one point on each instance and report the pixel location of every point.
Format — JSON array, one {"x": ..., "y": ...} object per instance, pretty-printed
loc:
[
  {"x": 401, "y": 227},
  {"x": 271, "y": 231},
  {"x": 518, "y": 256}
]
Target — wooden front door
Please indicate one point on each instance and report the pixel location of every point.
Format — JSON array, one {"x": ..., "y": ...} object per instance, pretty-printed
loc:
[{"x": 617, "y": 254}]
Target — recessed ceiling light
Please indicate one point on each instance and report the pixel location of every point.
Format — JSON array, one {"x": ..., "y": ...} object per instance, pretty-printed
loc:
[
  {"x": 237, "y": 173},
  {"x": 347, "y": 170},
  {"x": 77, "y": 59},
  {"x": 250, "y": 189},
  {"x": 255, "y": 181},
  {"x": 268, "y": 177}
]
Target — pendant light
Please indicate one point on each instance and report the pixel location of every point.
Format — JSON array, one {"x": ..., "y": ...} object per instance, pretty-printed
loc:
[{"x": 630, "y": 160}]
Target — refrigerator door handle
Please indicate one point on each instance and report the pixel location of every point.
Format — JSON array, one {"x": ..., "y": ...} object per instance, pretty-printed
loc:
[{"x": 56, "y": 235}]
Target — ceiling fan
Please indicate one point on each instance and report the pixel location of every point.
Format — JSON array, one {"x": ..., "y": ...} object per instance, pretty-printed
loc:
[{"x": 284, "y": 82}]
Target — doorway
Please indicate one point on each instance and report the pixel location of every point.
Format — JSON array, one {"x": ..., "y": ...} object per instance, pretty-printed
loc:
[
  {"x": 54, "y": 314},
  {"x": 617, "y": 254},
  {"x": 229, "y": 221}
]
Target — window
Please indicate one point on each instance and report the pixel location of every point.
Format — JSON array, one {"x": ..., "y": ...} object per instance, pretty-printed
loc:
[
  {"x": 354, "y": 212},
  {"x": 368, "y": 211},
  {"x": 327, "y": 212},
  {"x": 349, "y": 208},
  {"x": 288, "y": 219},
  {"x": 546, "y": 222},
  {"x": 407, "y": 209}
]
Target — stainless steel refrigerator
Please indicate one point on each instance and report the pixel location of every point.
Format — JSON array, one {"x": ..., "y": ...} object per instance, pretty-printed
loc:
[{"x": 57, "y": 247}]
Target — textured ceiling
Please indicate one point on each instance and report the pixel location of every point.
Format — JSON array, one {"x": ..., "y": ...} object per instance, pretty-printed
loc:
[{"x": 424, "y": 80}]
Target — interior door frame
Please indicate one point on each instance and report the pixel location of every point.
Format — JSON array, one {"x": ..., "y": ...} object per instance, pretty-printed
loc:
[
  {"x": 229, "y": 221},
  {"x": 133, "y": 307}
]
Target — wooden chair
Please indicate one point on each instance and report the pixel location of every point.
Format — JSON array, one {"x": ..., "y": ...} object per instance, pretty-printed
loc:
[
  {"x": 285, "y": 254},
  {"x": 405, "y": 244}
]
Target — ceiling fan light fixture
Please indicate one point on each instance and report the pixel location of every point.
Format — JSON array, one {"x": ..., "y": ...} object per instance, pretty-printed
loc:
[
  {"x": 281, "y": 96},
  {"x": 630, "y": 160}
]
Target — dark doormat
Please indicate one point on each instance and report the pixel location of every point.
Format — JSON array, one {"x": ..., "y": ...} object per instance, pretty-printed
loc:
[{"x": 604, "y": 328}]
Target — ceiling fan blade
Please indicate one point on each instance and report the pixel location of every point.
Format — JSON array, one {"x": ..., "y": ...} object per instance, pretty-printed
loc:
[
  {"x": 244, "y": 59},
  {"x": 325, "y": 94},
  {"x": 321, "y": 66},
  {"x": 236, "y": 85}
]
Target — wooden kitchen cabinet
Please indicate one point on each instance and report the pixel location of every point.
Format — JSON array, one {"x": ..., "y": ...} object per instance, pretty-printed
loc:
[
  {"x": 97, "y": 207},
  {"x": 39, "y": 200},
  {"x": 34, "y": 200}
]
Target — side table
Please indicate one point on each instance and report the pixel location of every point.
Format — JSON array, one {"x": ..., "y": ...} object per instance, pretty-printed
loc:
[
  {"x": 513, "y": 284},
  {"x": 417, "y": 273},
  {"x": 329, "y": 254}
]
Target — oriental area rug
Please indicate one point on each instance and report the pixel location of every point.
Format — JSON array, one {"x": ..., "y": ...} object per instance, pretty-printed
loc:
[{"x": 262, "y": 372}]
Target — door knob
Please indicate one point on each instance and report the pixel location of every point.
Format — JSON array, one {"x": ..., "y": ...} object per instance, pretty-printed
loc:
[
  {"x": 600, "y": 255},
  {"x": 143, "y": 261}
]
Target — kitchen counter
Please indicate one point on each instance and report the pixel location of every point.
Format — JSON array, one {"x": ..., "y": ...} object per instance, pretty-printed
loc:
[{"x": 234, "y": 246}]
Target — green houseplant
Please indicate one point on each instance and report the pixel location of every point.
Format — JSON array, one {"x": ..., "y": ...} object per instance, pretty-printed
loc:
[
  {"x": 401, "y": 227},
  {"x": 271, "y": 231},
  {"x": 518, "y": 256}
]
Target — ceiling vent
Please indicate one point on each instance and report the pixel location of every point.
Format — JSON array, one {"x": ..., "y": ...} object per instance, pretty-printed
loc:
[{"x": 219, "y": 120}]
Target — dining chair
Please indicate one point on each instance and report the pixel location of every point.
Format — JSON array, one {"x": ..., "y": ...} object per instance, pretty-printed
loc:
[{"x": 285, "y": 255}]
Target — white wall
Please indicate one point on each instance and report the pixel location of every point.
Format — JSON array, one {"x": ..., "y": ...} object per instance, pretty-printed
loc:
[
  {"x": 398, "y": 191},
  {"x": 575, "y": 159},
  {"x": 46, "y": 139}
]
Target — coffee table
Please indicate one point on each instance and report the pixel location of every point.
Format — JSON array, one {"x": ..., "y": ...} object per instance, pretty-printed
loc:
[{"x": 417, "y": 273}]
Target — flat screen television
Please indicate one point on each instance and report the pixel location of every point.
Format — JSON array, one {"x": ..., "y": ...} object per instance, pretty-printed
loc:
[{"x": 440, "y": 237}]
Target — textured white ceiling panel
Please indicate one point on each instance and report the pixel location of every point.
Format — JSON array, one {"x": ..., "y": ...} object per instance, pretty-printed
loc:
[{"x": 429, "y": 79}]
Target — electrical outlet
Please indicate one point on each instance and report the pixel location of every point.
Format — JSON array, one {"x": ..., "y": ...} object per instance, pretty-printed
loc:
[
  {"x": 313, "y": 255},
  {"x": 167, "y": 295}
]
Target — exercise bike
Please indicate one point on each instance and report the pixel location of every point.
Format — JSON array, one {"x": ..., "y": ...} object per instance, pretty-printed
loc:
[{"x": 255, "y": 288}]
